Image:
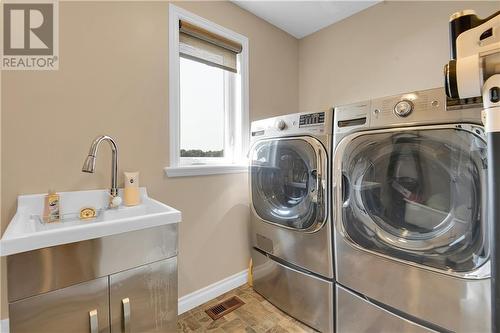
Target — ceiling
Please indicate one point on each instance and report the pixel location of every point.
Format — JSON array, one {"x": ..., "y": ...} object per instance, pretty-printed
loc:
[{"x": 301, "y": 18}]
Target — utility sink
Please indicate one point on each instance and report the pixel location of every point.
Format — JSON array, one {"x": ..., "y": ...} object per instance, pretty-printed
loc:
[{"x": 27, "y": 231}]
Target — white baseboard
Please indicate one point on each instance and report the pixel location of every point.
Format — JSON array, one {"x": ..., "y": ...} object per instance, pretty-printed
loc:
[
  {"x": 192, "y": 300},
  {"x": 203, "y": 295},
  {"x": 4, "y": 326}
]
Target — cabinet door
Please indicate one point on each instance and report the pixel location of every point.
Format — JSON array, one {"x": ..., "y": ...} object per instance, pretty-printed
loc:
[
  {"x": 144, "y": 299},
  {"x": 82, "y": 308}
]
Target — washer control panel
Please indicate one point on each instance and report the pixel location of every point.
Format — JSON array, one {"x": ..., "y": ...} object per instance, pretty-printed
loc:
[
  {"x": 305, "y": 123},
  {"x": 281, "y": 125},
  {"x": 311, "y": 119}
]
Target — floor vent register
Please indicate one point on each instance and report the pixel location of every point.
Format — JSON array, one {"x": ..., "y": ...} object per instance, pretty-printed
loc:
[{"x": 223, "y": 308}]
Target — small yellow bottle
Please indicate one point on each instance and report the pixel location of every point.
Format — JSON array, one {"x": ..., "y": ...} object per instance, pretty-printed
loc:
[{"x": 51, "y": 211}]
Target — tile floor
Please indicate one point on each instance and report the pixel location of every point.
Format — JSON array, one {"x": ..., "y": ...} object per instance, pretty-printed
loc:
[{"x": 256, "y": 315}]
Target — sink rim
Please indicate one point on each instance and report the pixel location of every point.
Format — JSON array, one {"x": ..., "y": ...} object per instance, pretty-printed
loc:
[{"x": 16, "y": 239}]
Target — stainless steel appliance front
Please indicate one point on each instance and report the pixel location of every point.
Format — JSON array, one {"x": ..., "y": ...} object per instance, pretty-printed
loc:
[
  {"x": 375, "y": 318},
  {"x": 451, "y": 303},
  {"x": 416, "y": 240},
  {"x": 410, "y": 230},
  {"x": 288, "y": 181},
  {"x": 417, "y": 195},
  {"x": 291, "y": 224},
  {"x": 301, "y": 295}
]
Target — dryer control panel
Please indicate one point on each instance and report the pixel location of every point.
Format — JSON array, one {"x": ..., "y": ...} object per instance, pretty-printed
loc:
[
  {"x": 426, "y": 107},
  {"x": 420, "y": 107}
]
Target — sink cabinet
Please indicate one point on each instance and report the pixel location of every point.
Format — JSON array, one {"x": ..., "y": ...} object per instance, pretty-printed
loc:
[
  {"x": 144, "y": 299},
  {"x": 120, "y": 283},
  {"x": 65, "y": 310}
]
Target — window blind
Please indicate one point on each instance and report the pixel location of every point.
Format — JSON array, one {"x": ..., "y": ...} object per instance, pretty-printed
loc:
[{"x": 201, "y": 45}]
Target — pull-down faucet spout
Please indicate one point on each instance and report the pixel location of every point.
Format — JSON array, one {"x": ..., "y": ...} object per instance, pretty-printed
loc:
[{"x": 89, "y": 164}]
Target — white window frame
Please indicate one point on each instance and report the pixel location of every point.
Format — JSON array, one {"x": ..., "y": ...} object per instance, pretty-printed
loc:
[{"x": 231, "y": 164}]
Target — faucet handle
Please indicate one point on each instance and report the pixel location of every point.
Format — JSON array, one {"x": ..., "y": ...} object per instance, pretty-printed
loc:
[{"x": 114, "y": 201}]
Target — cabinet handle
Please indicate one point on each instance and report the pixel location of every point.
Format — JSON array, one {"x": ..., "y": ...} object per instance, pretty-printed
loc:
[
  {"x": 94, "y": 324},
  {"x": 126, "y": 315}
]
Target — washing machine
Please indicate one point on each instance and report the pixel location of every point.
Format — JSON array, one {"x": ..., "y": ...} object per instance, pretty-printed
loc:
[
  {"x": 412, "y": 243},
  {"x": 291, "y": 228}
]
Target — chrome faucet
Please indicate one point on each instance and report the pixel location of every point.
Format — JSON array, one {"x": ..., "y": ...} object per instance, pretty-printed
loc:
[{"x": 89, "y": 164}]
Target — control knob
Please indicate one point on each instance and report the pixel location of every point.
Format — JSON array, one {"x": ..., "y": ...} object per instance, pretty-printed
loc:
[
  {"x": 281, "y": 125},
  {"x": 403, "y": 108}
]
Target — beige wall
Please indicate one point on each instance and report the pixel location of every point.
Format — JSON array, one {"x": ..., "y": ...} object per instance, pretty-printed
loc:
[
  {"x": 389, "y": 48},
  {"x": 113, "y": 79}
]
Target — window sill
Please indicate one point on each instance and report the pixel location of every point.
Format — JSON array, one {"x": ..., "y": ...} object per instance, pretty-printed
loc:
[{"x": 202, "y": 170}]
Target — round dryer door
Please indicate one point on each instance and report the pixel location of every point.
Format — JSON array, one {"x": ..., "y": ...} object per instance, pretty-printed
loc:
[
  {"x": 418, "y": 195},
  {"x": 287, "y": 182}
]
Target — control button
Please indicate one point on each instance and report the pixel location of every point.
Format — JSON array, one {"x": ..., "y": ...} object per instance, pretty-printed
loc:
[
  {"x": 376, "y": 111},
  {"x": 495, "y": 94},
  {"x": 281, "y": 125},
  {"x": 435, "y": 103},
  {"x": 403, "y": 108}
]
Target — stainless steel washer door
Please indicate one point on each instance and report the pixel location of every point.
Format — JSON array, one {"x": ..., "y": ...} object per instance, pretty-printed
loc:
[
  {"x": 288, "y": 179},
  {"x": 417, "y": 195}
]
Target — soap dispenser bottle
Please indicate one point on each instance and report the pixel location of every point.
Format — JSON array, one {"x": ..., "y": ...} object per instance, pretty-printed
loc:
[
  {"x": 51, "y": 212},
  {"x": 131, "y": 196}
]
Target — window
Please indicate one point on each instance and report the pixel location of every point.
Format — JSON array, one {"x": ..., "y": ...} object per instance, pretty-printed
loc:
[
  {"x": 208, "y": 69},
  {"x": 202, "y": 126}
]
